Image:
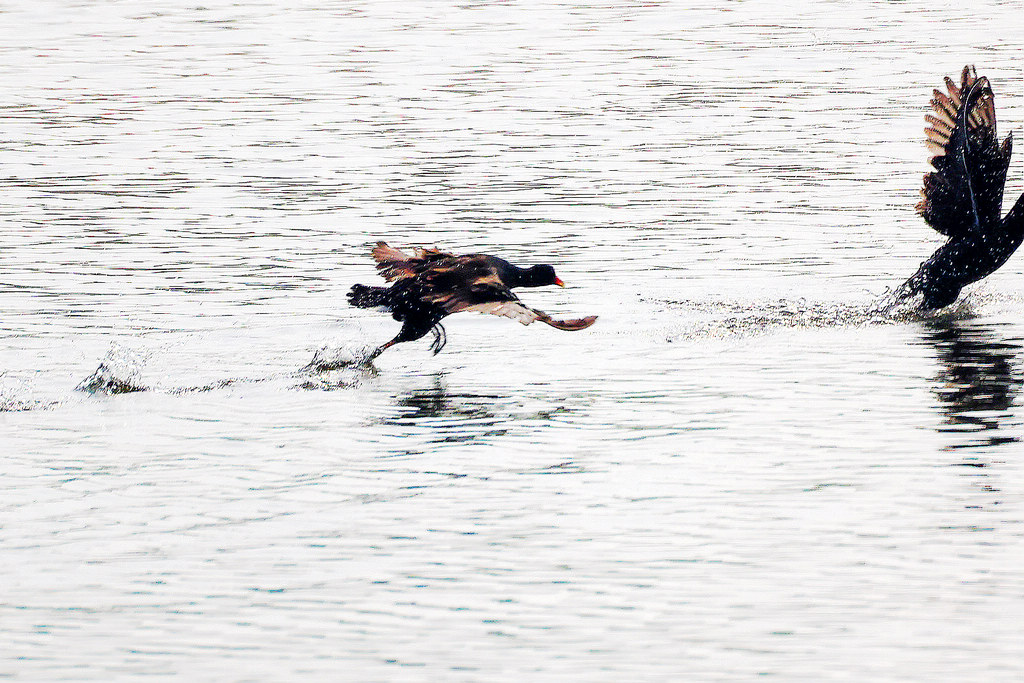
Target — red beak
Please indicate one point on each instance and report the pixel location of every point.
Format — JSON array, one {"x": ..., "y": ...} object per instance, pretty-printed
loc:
[{"x": 559, "y": 282}]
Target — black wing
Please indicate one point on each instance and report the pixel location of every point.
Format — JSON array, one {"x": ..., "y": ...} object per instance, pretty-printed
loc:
[
  {"x": 964, "y": 193},
  {"x": 460, "y": 283}
]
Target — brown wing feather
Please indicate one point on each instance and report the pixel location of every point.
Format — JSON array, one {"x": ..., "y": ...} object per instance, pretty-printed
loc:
[
  {"x": 382, "y": 253},
  {"x": 430, "y": 253},
  {"x": 571, "y": 325},
  {"x": 394, "y": 264},
  {"x": 965, "y": 190}
]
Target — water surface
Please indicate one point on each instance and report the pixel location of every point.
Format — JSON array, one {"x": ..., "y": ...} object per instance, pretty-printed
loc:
[{"x": 742, "y": 469}]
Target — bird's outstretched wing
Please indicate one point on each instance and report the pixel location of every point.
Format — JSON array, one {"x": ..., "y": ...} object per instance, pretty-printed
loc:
[
  {"x": 486, "y": 294},
  {"x": 463, "y": 283},
  {"x": 394, "y": 264},
  {"x": 964, "y": 193},
  {"x": 522, "y": 313}
]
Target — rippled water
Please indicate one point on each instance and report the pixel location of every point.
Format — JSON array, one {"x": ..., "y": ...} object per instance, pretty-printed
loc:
[{"x": 742, "y": 469}]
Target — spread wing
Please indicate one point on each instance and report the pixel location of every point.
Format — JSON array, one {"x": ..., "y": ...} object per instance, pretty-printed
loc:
[
  {"x": 964, "y": 193},
  {"x": 485, "y": 293},
  {"x": 394, "y": 264},
  {"x": 522, "y": 313},
  {"x": 463, "y": 283}
]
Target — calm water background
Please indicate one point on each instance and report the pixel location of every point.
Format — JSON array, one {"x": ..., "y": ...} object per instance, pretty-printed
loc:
[{"x": 738, "y": 471}]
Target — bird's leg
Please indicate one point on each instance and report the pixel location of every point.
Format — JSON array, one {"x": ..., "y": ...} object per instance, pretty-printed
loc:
[
  {"x": 440, "y": 338},
  {"x": 379, "y": 350},
  {"x": 409, "y": 332}
]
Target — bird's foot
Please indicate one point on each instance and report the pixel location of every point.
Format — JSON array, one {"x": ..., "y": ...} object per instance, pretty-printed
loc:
[{"x": 440, "y": 339}]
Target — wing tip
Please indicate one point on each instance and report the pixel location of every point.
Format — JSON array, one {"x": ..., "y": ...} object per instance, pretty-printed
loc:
[
  {"x": 573, "y": 325},
  {"x": 382, "y": 253}
]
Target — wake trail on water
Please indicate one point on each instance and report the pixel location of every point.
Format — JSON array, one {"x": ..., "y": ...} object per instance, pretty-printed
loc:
[
  {"x": 15, "y": 396},
  {"x": 120, "y": 372},
  {"x": 347, "y": 366},
  {"x": 734, "y": 319},
  {"x": 112, "y": 378}
]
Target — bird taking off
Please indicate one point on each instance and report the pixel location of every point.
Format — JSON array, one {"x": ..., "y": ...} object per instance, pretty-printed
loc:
[
  {"x": 431, "y": 284},
  {"x": 962, "y": 198}
]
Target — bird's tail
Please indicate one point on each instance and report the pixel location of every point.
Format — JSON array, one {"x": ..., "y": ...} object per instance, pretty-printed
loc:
[{"x": 362, "y": 296}]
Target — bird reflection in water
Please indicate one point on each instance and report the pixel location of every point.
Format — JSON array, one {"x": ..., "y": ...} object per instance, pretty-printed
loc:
[
  {"x": 977, "y": 383},
  {"x": 451, "y": 417}
]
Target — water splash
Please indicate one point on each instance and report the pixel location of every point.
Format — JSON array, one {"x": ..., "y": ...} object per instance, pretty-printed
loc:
[
  {"x": 327, "y": 359},
  {"x": 328, "y": 383},
  {"x": 212, "y": 386},
  {"x": 119, "y": 373},
  {"x": 14, "y": 396},
  {"x": 721, "y": 319},
  {"x": 106, "y": 381}
]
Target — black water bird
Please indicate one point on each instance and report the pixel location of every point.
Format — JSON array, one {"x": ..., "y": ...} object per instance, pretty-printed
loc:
[
  {"x": 431, "y": 284},
  {"x": 962, "y": 197}
]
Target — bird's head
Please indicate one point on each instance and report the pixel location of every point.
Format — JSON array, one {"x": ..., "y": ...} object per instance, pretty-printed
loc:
[{"x": 541, "y": 276}]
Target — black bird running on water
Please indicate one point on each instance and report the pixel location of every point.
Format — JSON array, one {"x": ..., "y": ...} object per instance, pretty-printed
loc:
[
  {"x": 963, "y": 196},
  {"x": 432, "y": 284}
]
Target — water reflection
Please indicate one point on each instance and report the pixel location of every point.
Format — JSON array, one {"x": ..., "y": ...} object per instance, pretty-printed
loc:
[
  {"x": 977, "y": 383},
  {"x": 451, "y": 418},
  {"x": 434, "y": 415}
]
